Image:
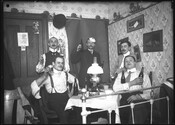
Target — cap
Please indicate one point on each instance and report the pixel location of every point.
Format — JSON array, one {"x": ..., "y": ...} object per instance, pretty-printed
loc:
[{"x": 92, "y": 39}]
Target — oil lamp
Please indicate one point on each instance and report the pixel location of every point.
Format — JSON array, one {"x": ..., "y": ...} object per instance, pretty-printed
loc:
[{"x": 95, "y": 70}]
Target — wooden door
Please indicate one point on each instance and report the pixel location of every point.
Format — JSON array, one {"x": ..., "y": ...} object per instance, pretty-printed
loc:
[{"x": 24, "y": 62}]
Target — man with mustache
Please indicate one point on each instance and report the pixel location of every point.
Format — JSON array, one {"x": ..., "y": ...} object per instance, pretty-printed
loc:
[
  {"x": 85, "y": 57},
  {"x": 133, "y": 82},
  {"x": 55, "y": 84},
  {"x": 126, "y": 50},
  {"x": 46, "y": 59}
]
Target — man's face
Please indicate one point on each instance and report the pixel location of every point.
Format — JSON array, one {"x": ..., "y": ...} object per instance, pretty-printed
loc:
[
  {"x": 129, "y": 63},
  {"x": 124, "y": 48},
  {"x": 53, "y": 43},
  {"x": 90, "y": 44},
  {"x": 59, "y": 64}
]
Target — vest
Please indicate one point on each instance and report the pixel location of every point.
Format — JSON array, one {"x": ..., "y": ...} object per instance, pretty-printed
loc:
[{"x": 50, "y": 57}]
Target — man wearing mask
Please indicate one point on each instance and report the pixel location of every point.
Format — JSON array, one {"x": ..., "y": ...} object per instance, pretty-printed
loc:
[{"x": 85, "y": 57}]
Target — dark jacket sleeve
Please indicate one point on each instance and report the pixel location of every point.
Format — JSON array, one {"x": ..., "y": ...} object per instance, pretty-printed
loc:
[{"x": 75, "y": 57}]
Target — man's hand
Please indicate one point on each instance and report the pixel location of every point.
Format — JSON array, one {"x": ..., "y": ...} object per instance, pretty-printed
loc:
[
  {"x": 48, "y": 70},
  {"x": 136, "y": 81},
  {"x": 41, "y": 60},
  {"x": 79, "y": 47},
  {"x": 120, "y": 70},
  {"x": 134, "y": 98}
]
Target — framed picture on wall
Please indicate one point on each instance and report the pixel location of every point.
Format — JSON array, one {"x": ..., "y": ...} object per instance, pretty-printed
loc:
[
  {"x": 119, "y": 46},
  {"x": 137, "y": 53},
  {"x": 135, "y": 23},
  {"x": 153, "y": 41}
]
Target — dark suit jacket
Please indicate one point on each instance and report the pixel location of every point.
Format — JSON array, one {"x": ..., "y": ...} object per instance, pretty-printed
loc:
[{"x": 86, "y": 59}]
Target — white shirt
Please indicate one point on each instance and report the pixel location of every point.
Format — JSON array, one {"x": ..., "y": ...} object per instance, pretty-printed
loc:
[
  {"x": 59, "y": 81},
  {"x": 124, "y": 55},
  {"x": 39, "y": 66},
  {"x": 91, "y": 51},
  {"x": 135, "y": 73}
]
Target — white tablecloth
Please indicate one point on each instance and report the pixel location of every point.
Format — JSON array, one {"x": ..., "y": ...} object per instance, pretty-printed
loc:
[{"x": 105, "y": 103}]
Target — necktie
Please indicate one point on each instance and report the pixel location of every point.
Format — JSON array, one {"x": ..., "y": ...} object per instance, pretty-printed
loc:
[{"x": 128, "y": 77}]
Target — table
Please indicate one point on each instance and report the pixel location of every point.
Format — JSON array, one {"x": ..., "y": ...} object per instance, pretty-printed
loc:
[{"x": 106, "y": 103}]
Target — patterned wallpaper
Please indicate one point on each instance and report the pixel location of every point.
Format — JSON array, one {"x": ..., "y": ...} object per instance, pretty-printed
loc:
[
  {"x": 85, "y": 9},
  {"x": 157, "y": 17}
]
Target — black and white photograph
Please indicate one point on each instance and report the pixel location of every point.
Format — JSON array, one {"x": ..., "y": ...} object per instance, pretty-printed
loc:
[{"x": 87, "y": 62}]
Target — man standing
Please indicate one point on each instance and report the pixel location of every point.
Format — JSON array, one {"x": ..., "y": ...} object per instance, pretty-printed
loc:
[
  {"x": 47, "y": 58},
  {"x": 126, "y": 50},
  {"x": 85, "y": 57},
  {"x": 133, "y": 82},
  {"x": 56, "y": 86}
]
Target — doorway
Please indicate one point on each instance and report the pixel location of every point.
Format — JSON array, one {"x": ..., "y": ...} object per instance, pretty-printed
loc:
[{"x": 24, "y": 60}]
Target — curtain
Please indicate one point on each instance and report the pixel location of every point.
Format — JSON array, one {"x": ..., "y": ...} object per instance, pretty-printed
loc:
[
  {"x": 60, "y": 34},
  {"x": 81, "y": 29}
]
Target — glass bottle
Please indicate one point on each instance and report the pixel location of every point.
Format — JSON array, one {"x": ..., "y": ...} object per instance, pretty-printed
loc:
[
  {"x": 82, "y": 47},
  {"x": 141, "y": 72},
  {"x": 75, "y": 88},
  {"x": 123, "y": 77},
  {"x": 141, "y": 75}
]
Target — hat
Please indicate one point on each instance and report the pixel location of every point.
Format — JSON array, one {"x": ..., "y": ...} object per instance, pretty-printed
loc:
[
  {"x": 59, "y": 21},
  {"x": 92, "y": 39}
]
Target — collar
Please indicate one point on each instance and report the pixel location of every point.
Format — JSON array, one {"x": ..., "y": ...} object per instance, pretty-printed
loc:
[
  {"x": 53, "y": 50},
  {"x": 131, "y": 70},
  {"x": 56, "y": 71},
  {"x": 126, "y": 54},
  {"x": 91, "y": 51}
]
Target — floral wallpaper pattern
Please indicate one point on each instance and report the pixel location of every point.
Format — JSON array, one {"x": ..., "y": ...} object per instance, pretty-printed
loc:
[
  {"x": 83, "y": 9},
  {"x": 157, "y": 17}
]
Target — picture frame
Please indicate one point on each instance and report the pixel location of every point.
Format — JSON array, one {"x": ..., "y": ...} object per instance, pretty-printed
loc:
[
  {"x": 135, "y": 23},
  {"x": 153, "y": 41},
  {"x": 137, "y": 53},
  {"x": 119, "y": 46}
]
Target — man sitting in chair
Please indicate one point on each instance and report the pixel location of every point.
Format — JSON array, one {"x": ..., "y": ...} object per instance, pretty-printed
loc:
[
  {"x": 135, "y": 82},
  {"x": 56, "y": 85}
]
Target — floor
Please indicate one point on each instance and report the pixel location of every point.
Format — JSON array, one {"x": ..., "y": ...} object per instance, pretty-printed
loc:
[{"x": 74, "y": 117}]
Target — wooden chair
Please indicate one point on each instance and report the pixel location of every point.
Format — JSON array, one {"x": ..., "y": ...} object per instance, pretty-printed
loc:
[
  {"x": 10, "y": 106},
  {"x": 29, "y": 116}
]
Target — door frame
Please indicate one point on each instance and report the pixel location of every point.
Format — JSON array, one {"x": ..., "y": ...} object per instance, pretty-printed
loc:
[{"x": 42, "y": 17}]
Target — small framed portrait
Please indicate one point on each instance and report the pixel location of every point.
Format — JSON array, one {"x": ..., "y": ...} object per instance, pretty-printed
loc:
[
  {"x": 119, "y": 46},
  {"x": 153, "y": 41},
  {"x": 135, "y": 23},
  {"x": 137, "y": 53}
]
